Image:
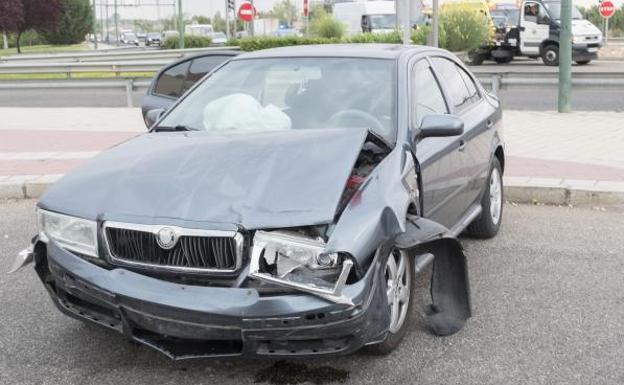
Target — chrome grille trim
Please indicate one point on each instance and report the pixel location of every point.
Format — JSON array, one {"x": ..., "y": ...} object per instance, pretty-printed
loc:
[{"x": 192, "y": 245}]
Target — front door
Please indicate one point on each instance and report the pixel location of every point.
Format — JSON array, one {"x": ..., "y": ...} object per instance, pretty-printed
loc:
[{"x": 533, "y": 28}]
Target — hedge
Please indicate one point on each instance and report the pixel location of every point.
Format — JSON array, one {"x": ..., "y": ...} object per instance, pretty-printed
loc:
[{"x": 189, "y": 42}]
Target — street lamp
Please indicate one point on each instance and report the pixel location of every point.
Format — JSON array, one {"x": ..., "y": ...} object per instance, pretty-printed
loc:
[{"x": 180, "y": 25}]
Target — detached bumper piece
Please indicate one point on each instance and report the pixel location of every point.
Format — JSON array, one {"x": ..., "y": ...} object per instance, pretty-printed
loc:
[{"x": 185, "y": 321}]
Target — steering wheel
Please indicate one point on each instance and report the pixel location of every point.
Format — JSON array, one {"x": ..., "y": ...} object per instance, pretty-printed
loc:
[{"x": 338, "y": 117}]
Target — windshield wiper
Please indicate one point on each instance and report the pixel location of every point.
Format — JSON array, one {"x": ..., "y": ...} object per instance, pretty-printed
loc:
[{"x": 172, "y": 129}]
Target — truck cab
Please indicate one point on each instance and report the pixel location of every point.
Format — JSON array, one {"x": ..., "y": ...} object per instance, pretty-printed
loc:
[
  {"x": 539, "y": 33},
  {"x": 535, "y": 33}
]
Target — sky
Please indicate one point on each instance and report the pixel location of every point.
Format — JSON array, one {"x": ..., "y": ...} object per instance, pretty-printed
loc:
[{"x": 146, "y": 9}]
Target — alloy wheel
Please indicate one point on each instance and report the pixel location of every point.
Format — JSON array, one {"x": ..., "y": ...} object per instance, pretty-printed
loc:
[
  {"x": 398, "y": 277},
  {"x": 496, "y": 196}
]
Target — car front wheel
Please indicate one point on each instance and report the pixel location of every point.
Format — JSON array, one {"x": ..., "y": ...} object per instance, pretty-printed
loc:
[
  {"x": 399, "y": 279},
  {"x": 488, "y": 223}
]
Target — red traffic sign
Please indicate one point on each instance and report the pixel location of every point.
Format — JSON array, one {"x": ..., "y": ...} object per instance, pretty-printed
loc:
[
  {"x": 305, "y": 8},
  {"x": 606, "y": 9},
  {"x": 246, "y": 12}
]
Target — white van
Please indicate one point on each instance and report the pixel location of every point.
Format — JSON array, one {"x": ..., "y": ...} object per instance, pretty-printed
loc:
[
  {"x": 366, "y": 16},
  {"x": 199, "y": 30}
]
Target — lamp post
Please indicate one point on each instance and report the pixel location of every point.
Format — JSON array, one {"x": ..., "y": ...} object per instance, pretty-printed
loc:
[
  {"x": 565, "y": 56},
  {"x": 180, "y": 25}
]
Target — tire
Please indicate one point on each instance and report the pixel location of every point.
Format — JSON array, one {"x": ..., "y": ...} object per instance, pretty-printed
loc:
[
  {"x": 397, "y": 329},
  {"x": 487, "y": 224},
  {"x": 502, "y": 60},
  {"x": 550, "y": 55},
  {"x": 475, "y": 58},
  {"x": 582, "y": 62}
]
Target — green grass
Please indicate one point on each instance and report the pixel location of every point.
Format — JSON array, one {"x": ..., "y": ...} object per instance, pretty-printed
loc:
[
  {"x": 35, "y": 49},
  {"x": 83, "y": 75}
]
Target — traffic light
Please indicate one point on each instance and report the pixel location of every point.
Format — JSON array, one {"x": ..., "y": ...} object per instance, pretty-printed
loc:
[{"x": 230, "y": 4}]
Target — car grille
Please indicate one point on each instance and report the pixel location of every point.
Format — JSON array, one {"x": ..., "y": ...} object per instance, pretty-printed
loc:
[{"x": 191, "y": 252}]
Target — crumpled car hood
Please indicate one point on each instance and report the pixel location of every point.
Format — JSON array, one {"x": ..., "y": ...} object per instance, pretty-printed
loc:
[{"x": 255, "y": 180}]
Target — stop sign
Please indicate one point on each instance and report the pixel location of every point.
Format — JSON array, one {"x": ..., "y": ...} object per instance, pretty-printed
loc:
[
  {"x": 246, "y": 12},
  {"x": 606, "y": 9}
]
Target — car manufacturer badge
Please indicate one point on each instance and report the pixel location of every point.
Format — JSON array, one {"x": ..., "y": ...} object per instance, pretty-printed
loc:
[{"x": 166, "y": 238}]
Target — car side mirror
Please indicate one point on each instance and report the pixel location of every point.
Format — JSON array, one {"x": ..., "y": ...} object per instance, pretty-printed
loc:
[
  {"x": 440, "y": 126},
  {"x": 152, "y": 116}
]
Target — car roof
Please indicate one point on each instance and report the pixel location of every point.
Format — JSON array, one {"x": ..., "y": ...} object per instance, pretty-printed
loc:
[{"x": 374, "y": 51}]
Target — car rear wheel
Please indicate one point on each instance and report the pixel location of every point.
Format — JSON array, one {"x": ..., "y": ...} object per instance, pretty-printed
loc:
[
  {"x": 399, "y": 279},
  {"x": 582, "y": 62},
  {"x": 487, "y": 224}
]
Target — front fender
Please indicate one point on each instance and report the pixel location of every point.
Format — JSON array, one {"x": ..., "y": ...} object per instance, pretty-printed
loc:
[{"x": 450, "y": 289}]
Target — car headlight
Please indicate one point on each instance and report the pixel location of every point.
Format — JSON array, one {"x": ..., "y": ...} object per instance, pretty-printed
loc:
[
  {"x": 75, "y": 234},
  {"x": 300, "y": 262}
]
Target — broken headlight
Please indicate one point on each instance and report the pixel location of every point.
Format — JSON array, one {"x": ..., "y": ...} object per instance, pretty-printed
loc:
[
  {"x": 71, "y": 233},
  {"x": 293, "y": 260}
]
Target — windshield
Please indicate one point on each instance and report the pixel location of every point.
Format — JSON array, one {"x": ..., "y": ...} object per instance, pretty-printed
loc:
[
  {"x": 383, "y": 21},
  {"x": 506, "y": 17},
  {"x": 130, "y": 36},
  {"x": 554, "y": 10},
  {"x": 153, "y": 34},
  {"x": 293, "y": 93}
]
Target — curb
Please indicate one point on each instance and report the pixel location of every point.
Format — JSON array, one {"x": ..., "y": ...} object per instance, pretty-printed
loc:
[{"x": 517, "y": 189}]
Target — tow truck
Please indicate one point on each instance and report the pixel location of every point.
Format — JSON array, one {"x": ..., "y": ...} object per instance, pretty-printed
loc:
[{"x": 535, "y": 33}]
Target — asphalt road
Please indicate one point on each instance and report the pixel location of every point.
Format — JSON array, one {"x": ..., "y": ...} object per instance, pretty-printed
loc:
[{"x": 548, "y": 303}]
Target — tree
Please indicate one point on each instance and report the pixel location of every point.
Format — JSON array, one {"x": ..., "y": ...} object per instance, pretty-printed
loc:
[
  {"x": 285, "y": 11},
  {"x": 11, "y": 14},
  {"x": 75, "y": 22},
  {"x": 39, "y": 15},
  {"x": 218, "y": 22},
  {"x": 200, "y": 19}
]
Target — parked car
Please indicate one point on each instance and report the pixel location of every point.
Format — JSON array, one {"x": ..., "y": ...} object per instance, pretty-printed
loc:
[
  {"x": 284, "y": 206},
  {"x": 175, "y": 79},
  {"x": 141, "y": 36},
  {"x": 153, "y": 38},
  {"x": 219, "y": 38}
]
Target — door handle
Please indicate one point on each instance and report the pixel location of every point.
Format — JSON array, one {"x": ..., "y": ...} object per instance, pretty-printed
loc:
[{"x": 462, "y": 145}]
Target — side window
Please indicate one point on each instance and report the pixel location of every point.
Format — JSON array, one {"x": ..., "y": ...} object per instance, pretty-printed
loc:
[
  {"x": 531, "y": 11},
  {"x": 458, "y": 92},
  {"x": 470, "y": 84},
  {"x": 171, "y": 81},
  {"x": 427, "y": 96},
  {"x": 200, "y": 67}
]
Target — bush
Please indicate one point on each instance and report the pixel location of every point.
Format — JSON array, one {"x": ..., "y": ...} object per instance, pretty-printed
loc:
[
  {"x": 421, "y": 34},
  {"x": 264, "y": 42},
  {"x": 28, "y": 38},
  {"x": 326, "y": 26},
  {"x": 367, "y": 37},
  {"x": 189, "y": 42},
  {"x": 465, "y": 29}
]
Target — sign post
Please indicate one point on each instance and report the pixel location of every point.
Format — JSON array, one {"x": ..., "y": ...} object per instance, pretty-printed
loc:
[
  {"x": 305, "y": 15},
  {"x": 247, "y": 12},
  {"x": 606, "y": 9}
]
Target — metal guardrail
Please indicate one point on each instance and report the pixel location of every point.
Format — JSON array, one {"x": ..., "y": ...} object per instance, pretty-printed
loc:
[
  {"x": 502, "y": 80},
  {"x": 110, "y": 55},
  {"x": 496, "y": 81},
  {"x": 115, "y": 68}
]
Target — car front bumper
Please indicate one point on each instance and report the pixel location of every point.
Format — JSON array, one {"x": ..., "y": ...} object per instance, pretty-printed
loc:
[
  {"x": 581, "y": 52},
  {"x": 184, "y": 321}
]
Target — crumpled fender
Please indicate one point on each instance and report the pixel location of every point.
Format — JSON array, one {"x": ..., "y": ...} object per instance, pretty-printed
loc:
[{"x": 450, "y": 289}]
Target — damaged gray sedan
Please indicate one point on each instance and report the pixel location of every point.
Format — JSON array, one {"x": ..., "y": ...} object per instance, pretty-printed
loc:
[{"x": 284, "y": 206}]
